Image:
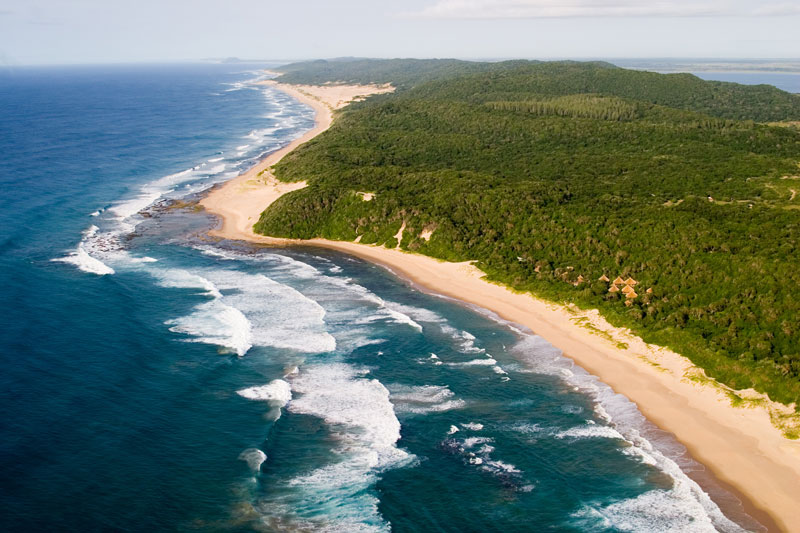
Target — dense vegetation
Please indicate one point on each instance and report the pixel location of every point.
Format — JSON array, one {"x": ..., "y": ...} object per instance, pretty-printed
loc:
[
  {"x": 450, "y": 78},
  {"x": 552, "y": 175}
]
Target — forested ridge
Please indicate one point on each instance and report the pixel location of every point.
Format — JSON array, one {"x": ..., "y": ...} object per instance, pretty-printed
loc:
[{"x": 553, "y": 175}]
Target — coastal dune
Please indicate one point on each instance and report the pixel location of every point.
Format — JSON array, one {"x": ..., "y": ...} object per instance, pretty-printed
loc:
[{"x": 741, "y": 446}]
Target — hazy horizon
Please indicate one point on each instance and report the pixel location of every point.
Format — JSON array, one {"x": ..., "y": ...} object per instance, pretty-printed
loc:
[{"x": 91, "y": 31}]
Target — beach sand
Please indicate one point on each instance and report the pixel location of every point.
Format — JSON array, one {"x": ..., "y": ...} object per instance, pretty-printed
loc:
[{"x": 739, "y": 445}]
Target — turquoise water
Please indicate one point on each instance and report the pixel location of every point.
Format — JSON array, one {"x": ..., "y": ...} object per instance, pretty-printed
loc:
[{"x": 154, "y": 380}]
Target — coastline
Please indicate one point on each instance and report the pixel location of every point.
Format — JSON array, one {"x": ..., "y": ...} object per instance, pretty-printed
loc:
[{"x": 740, "y": 446}]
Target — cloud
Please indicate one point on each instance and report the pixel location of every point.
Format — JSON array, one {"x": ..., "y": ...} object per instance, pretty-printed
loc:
[{"x": 522, "y": 9}]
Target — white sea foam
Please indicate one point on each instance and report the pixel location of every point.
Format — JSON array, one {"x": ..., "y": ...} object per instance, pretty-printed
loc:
[
  {"x": 254, "y": 458},
  {"x": 253, "y": 311},
  {"x": 685, "y": 507},
  {"x": 183, "y": 279},
  {"x": 465, "y": 341},
  {"x": 342, "y": 395},
  {"x": 359, "y": 410},
  {"x": 276, "y": 391},
  {"x": 217, "y": 252},
  {"x": 529, "y": 429},
  {"x": 591, "y": 431},
  {"x": 472, "y": 426},
  {"x": 471, "y": 442},
  {"x": 654, "y": 511},
  {"x": 80, "y": 256},
  {"x": 475, "y": 362},
  {"x": 282, "y": 316},
  {"x": 419, "y": 314},
  {"x": 500, "y": 467},
  {"x": 85, "y": 262},
  {"x": 477, "y": 450},
  {"x": 216, "y": 323},
  {"x": 424, "y": 399}
]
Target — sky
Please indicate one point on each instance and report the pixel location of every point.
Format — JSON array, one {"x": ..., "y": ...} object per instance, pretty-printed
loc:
[{"x": 123, "y": 31}]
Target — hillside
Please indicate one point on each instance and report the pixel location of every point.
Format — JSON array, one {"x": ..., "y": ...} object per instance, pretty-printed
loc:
[
  {"x": 554, "y": 175},
  {"x": 473, "y": 80}
]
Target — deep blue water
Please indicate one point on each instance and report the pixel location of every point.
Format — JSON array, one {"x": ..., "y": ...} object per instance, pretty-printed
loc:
[{"x": 153, "y": 380}]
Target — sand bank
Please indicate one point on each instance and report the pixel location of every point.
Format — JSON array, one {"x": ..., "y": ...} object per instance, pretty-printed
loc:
[{"x": 740, "y": 446}]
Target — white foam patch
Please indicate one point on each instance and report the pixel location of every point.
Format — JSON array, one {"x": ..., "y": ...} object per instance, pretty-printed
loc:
[
  {"x": 253, "y": 311},
  {"x": 500, "y": 467},
  {"x": 359, "y": 410},
  {"x": 182, "y": 279},
  {"x": 475, "y": 362},
  {"x": 342, "y": 395},
  {"x": 254, "y": 458},
  {"x": 657, "y": 511},
  {"x": 217, "y": 252},
  {"x": 424, "y": 399},
  {"x": 384, "y": 311},
  {"x": 276, "y": 391},
  {"x": 477, "y": 451},
  {"x": 144, "y": 259},
  {"x": 216, "y": 323},
  {"x": 464, "y": 339},
  {"x": 471, "y": 442},
  {"x": 80, "y": 256},
  {"x": 590, "y": 432},
  {"x": 85, "y": 262},
  {"x": 472, "y": 426},
  {"x": 282, "y": 317}
]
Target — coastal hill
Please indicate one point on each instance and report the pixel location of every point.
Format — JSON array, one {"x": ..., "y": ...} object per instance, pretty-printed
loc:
[{"x": 558, "y": 178}]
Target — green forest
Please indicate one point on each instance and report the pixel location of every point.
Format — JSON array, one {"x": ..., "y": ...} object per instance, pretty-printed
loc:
[{"x": 553, "y": 175}]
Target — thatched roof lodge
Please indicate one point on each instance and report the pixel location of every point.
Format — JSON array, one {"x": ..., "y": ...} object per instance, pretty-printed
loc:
[
  {"x": 619, "y": 281},
  {"x": 627, "y": 289},
  {"x": 631, "y": 282},
  {"x": 603, "y": 278},
  {"x": 631, "y": 294},
  {"x": 613, "y": 288}
]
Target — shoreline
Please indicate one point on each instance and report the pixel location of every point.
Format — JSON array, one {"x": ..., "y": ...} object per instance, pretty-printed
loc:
[{"x": 740, "y": 447}]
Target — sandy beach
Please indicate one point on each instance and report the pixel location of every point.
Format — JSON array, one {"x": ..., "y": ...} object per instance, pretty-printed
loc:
[{"x": 740, "y": 445}]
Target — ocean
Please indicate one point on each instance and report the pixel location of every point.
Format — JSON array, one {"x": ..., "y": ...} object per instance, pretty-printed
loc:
[{"x": 153, "y": 379}]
